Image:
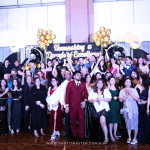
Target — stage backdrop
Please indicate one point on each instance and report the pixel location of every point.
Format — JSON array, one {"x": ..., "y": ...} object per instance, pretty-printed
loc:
[{"x": 75, "y": 49}]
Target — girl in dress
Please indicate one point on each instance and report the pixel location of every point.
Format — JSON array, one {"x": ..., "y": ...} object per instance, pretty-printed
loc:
[
  {"x": 114, "y": 114},
  {"x": 130, "y": 97},
  {"x": 16, "y": 92},
  {"x": 42, "y": 64},
  {"x": 114, "y": 68},
  {"x": 134, "y": 77},
  {"x": 99, "y": 96},
  {"x": 142, "y": 69},
  {"x": 53, "y": 101},
  {"x": 4, "y": 94}
]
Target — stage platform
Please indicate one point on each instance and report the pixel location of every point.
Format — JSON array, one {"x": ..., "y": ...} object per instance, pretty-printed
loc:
[{"x": 22, "y": 141}]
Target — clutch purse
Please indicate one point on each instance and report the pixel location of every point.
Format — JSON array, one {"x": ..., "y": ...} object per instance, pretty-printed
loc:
[
  {"x": 2, "y": 108},
  {"x": 124, "y": 110}
]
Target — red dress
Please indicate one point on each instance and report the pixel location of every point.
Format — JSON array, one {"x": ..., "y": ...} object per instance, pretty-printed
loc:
[{"x": 59, "y": 121}]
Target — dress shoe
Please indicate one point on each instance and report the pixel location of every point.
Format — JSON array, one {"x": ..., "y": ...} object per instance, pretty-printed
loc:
[
  {"x": 74, "y": 138},
  {"x": 66, "y": 136},
  {"x": 81, "y": 140}
]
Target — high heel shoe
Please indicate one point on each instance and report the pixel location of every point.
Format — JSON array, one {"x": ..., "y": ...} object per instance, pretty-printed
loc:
[
  {"x": 104, "y": 143},
  {"x": 58, "y": 133},
  {"x": 53, "y": 137},
  {"x": 116, "y": 137},
  {"x": 112, "y": 139},
  {"x": 12, "y": 131}
]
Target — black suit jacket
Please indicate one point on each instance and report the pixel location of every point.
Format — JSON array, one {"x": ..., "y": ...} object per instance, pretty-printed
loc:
[
  {"x": 38, "y": 95},
  {"x": 26, "y": 95},
  {"x": 90, "y": 69}
]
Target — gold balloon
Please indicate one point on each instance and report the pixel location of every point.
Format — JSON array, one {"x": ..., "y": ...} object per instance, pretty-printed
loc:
[
  {"x": 47, "y": 37},
  {"x": 45, "y": 41},
  {"x": 38, "y": 36},
  {"x": 98, "y": 42},
  {"x": 47, "y": 44},
  {"x": 104, "y": 45},
  {"x": 50, "y": 41},
  {"x": 108, "y": 32},
  {"x": 38, "y": 65},
  {"x": 106, "y": 38},
  {"x": 26, "y": 68},
  {"x": 109, "y": 42},
  {"x": 28, "y": 65},
  {"x": 103, "y": 33},
  {"x": 40, "y": 30},
  {"x": 53, "y": 36},
  {"x": 39, "y": 42},
  {"x": 42, "y": 38},
  {"x": 44, "y": 32},
  {"x": 99, "y": 34},
  {"x": 95, "y": 35},
  {"x": 42, "y": 45},
  {"x": 102, "y": 28},
  {"x": 49, "y": 32}
]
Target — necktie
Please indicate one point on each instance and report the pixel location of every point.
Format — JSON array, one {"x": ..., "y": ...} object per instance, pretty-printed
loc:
[{"x": 77, "y": 85}]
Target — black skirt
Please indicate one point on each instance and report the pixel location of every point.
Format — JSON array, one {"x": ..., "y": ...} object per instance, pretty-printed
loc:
[
  {"x": 3, "y": 117},
  {"x": 16, "y": 114}
]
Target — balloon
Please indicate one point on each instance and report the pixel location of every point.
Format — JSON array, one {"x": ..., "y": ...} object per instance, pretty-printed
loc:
[
  {"x": 94, "y": 39},
  {"x": 108, "y": 31},
  {"x": 49, "y": 32},
  {"x": 45, "y": 41},
  {"x": 47, "y": 37},
  {"x": 53, "y": 36},
  {"x": 39, "y": 42},
  {"x": 103, "y": 33},
  {"x": 106, "y": 38},
  {"x": 38, "y": 36},
  {"x": 42, "y": 45},
  {"x": 50, "y": 41},
  {"x": 47, "y": 44},
  {"x": 38, "y": 65},
  {"x": 98, "y": 42},
  {"x": 26, "y": 68},
  {"x": 99, "y": 34},
  {"x": 95, "y": 35},
  {"x": 102, "y": 28},
  {"x": 42, "y": 38},
  {"x": 104, "y": 45},
  {"x": 40, "y": 30},
  {"x": 44, "y": 32}
]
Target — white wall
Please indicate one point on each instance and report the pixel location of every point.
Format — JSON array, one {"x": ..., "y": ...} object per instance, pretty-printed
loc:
[
  {"x": 20, "y": 25},
  {"x": 122, "y": 17}
]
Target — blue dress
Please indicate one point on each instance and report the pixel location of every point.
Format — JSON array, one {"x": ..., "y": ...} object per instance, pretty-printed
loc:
[{"x": 144, "y": 119}]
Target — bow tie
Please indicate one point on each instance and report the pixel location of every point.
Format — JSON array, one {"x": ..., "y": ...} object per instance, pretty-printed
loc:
[{"x": 127, "y": 65}]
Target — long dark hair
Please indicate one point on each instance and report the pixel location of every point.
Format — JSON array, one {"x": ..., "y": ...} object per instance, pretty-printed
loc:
[
  {"x": 125, "y": 81},
  {"x": 104, "y": 66},
  {"x": 111, "y": 63},
  {"x": 136, "y": 74},
  {"x": 116, "y": 86},
  {"x": 44, "y": 65},
  {"x": 88, "y": 75},
  {"x": 95, "y": 86},
  {"x": 56, "y": 80},
  {"x": 137, "y": 65},
  {"x": 145, "y": 81},
  {"x": 6, "y": 86},
  {"x": 18, "y": 84}
]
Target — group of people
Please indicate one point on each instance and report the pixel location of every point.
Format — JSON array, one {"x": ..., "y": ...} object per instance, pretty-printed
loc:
[{"x": 103, "y": 92}]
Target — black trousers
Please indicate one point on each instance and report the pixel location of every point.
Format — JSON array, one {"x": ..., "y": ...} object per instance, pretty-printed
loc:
[
  {"x": 26, "y": 118},
  {"x": 67, "y": 122}
]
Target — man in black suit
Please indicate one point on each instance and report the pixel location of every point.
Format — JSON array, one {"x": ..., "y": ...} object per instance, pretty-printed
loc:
[
  {"x": 94, "y": 60},
  {"x": 26, "y": 105}
]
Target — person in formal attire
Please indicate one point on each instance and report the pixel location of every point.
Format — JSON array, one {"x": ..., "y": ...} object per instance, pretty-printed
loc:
[
  {"x": 118, "y": 78},
  {"x": 53, "y": 101},
  {"x": 129, "y": 96},
  {"x": 134, "y": 77},
  {"x": 43, "y": 69},
  {"x": 4, "y": 94},
  {"x": 114, "y": 117},
  {"x": 16, "y": 63},
  {"x": 43, "y": 82},
  {"x": 141, "y": 68},
  {"x": 14, "y": 76},
  {"x": 9, "y": 84},
  {"x": 76, "y": 92},
  {"x": 5, "y": 68},
  {"x": 61, "y": 77},
  {"x": 21, "y": 70},
  {"x": 50, "y": 72},
  {"x": 88, "y": 108},
  {"x": 99, "y": 96},
  {"x": 144, "y": 120},
  {"x": 38, "y": 95},
  {"x": 113, "y": 68},
  {"x": 34, "y": 69},
  {"x": 81, "y": 64},
  {"x": 84, "y": 71},
  {"x": 26, "y": 105},
  {"x": 94, "y": 59},
  {"x": 63, "y": 104},
  {"x": 16, "y": 92},
  {"x": 128, "y": 68}
]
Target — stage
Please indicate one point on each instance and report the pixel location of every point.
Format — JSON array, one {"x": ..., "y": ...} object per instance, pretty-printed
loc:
[{"x": 22, "y": 141}]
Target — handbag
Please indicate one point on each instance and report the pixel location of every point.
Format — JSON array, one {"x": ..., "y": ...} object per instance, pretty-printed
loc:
[{"x": 124, "y": 110}]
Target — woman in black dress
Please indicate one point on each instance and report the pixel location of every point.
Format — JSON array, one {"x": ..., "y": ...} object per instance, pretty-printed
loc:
[
  {"x": 38, "y": 107},
  {"x": 16, "y": 92},
  {"x": 4, "y": 93}
]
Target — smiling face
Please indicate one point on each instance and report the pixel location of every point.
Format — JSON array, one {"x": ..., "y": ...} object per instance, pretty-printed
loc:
[
  {"x": 140, "y": 61},
  {"x": 15, "y": 82},
  {"x": 54, "y": 82},
  {"x": 77, "y": 76},
  {"x": 37, "y": 82},
  {"x": 98, "y": 76},
  {"x": 133, "y": 75},
  {"x": 100, "y": 85},
  {"x": 112, "y": 81},
  {"x": 3, "y": 83},
  {"x": 49, "y": 64},
  {"x": 112, "y": 61},
  {"x": 127, "y": 83},
  {"x": 88, "y": 78}
]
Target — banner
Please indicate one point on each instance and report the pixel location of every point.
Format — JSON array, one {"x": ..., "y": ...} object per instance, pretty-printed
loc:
[{"x": 75, "y": 50}]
